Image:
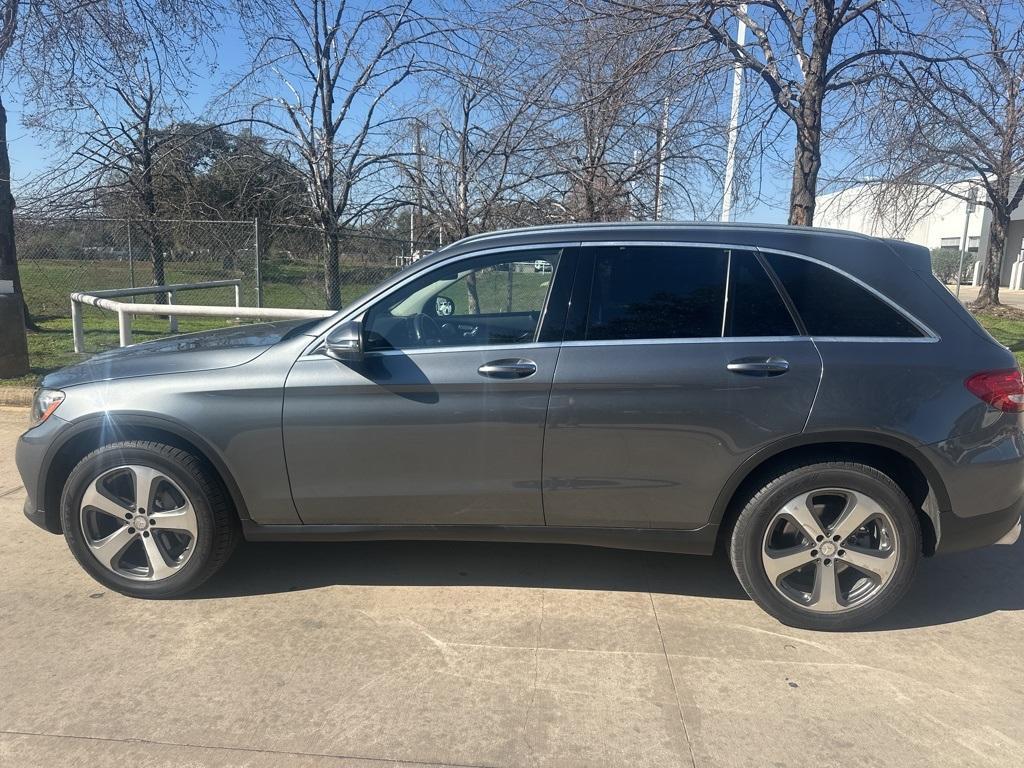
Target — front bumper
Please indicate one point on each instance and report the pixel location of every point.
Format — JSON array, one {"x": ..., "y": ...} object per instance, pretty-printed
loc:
[{"x": 33, "y": 456}]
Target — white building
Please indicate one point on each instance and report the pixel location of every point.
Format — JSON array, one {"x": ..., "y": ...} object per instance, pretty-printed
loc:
[{"x": 923, "y": 216}]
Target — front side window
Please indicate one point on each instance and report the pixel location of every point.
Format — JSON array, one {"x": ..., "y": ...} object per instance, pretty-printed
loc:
[
  {"x": 831, "y": 304},
  {"x": 483, "y": 301},
  {"x": 657, "y": 292}
]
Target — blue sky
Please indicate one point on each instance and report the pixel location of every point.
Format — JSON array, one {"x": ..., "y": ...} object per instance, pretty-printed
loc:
[{"x": 31, "y": 153}]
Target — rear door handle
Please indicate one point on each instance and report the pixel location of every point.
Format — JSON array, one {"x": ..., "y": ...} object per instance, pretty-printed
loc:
[
  {"x": 508, "y": 369},
  {"x": 759, "y": 366}
]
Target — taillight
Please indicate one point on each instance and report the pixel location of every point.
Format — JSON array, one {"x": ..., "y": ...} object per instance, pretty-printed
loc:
[{"x": 1000, "y": 389}]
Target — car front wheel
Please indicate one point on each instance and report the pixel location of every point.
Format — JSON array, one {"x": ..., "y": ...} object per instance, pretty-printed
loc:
[
  {"x": 147, "y": 519},
  {"x": 832, "y": 545}
]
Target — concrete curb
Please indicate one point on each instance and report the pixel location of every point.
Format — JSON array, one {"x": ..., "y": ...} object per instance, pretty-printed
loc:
[{"x": 16, "y": 397}]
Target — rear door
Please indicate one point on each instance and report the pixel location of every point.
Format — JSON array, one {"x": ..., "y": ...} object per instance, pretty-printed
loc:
[{"x": 679, "y": 362}]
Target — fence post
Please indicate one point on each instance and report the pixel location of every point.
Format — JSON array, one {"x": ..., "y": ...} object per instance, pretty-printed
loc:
[
  {"x": 259, "y": 258},
  {"x": 76, "y": 326},
  {"x": 172, "y": 319},
  {"x": 131, "y": 258},
  {"x": 124, "y": 327}
]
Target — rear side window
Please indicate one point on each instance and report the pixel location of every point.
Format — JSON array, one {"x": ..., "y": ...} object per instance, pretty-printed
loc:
[
  {"x": 833, "y": 305},
  {"x": 657, "y": 292},
  {"x": 755, "y": 307}
]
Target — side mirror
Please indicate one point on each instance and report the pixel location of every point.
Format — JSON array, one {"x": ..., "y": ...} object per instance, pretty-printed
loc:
[{"x": 345, "y": 343}]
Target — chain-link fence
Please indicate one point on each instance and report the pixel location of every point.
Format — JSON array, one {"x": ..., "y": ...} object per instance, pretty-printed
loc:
[{"x": 280, "y": 265}]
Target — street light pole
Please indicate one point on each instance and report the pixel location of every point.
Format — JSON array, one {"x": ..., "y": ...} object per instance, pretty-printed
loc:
[
  {"x": 659, "y": 180},
  {"x": 972, "y": 203},
  {"x": 734, "y": 123}
]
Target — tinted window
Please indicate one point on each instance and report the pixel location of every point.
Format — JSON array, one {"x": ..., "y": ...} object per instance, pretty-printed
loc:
[
  {"x": 832, "y": 305},
  {"x": 652, "y": 292},
  {"x": 473, "y": 302},
  {"x": 755, "y": 306}
]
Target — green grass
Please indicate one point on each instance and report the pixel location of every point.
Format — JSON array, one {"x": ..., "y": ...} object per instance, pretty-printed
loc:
[
  {"x": 1007, "y": 331},
  {"x": 48, "y": 283}
]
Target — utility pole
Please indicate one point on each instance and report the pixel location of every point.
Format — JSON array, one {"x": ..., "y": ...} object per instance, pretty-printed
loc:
[
  {"x": 734, "y": 123},
  {"x": 418, "y": 231},
  {"x": 972, "y": 203},
  {"x": 659, "y": 193}
]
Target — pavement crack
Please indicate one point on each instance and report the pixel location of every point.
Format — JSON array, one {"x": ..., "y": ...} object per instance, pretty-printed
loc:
[
  {"x": 252, "y": 750},
  {"x": 672, "y": 677}
]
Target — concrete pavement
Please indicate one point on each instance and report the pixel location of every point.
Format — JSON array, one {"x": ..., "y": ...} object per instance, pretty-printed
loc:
[
  {"x": 969, "y": 293},
  {"x": 377, "y": 654}
]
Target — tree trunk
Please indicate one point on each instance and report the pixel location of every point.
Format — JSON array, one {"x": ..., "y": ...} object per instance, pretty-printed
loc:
[
  {"x": 155, "y": 246},
  {"x": 992, "y": 266},
  {"x": 807, "y": 158},
  {"x": 8, "y": 251},
  {"x": 332, "y": 266},
  {"x": 154, "y": 242}
]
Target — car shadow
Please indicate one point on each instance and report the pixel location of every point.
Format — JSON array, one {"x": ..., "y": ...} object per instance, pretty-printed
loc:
[
  {"x": 265, "y": 568},
  {"x": 947, "y": 589}
]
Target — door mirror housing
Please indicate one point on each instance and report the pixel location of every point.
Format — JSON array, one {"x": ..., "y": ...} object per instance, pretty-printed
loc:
[{"x": 345, "y": 343}]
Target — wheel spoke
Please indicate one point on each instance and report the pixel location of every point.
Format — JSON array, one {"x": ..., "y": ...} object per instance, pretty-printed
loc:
[
  {"x": 799, "y": 511},
  {"x": 876, "y": 563},
  {"x": 146, "y": 480},
  {"x": 826, "y": 595},
  {"x": 159, "y": 569},
  {"x": 95, "y": 499},
  {"x": 109, "y": 549},
  {"x": 778, "y": 563},
  {"x": 859, "y": 510},
  {"x": 181, "y": 520}
]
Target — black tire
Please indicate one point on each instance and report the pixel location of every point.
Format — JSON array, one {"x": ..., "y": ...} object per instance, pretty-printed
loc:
[
  {"x": 748, "y": 539},
  {"x": 216, "y": 523}
]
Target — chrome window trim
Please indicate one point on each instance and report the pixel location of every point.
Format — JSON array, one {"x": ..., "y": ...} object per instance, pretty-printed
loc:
[
  {"x": 694, "y": 340},
  {"x": 752, "y": 339},
  {"x": 876, "y": 339},
  {"x": 476, "y": 347},
  {"x": 351, "y": 312}
]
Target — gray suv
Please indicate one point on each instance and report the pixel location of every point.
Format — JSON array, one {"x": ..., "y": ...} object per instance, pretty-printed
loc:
[{"x": 814, "y": 402}]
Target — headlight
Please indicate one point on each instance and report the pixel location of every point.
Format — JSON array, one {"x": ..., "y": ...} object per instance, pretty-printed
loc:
[{"x": 44, "y": 403}]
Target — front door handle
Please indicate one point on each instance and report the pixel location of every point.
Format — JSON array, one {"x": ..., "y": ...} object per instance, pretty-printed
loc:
[
  {"x": 508, "y": 369},
  {"x": 759, "y": 366}
]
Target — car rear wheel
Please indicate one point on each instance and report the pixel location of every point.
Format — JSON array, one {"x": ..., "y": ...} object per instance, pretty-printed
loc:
[
  {"x": 147, "y": 519},
  {"x": 832, "y": 545}
]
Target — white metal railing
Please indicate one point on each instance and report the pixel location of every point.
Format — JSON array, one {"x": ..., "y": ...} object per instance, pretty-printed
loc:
[{"x": 125, "y": 311}]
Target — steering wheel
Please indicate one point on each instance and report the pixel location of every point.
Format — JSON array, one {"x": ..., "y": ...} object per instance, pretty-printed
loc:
[{"x": 426, "y": 330}]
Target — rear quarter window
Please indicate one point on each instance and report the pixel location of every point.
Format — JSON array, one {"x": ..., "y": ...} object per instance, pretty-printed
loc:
[{"x": 831, "y": 304}]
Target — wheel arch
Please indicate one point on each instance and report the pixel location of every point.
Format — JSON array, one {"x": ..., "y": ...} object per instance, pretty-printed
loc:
[
  {"x": 901, "y": 461},
  {"x": 87, "y": 435}
]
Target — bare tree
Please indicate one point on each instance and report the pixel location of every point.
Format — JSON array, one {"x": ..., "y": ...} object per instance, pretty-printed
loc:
[
  {"x": 634, "y": 112},
  {"x": 813, "y": 56},
  {"x": 480, "y": 137},
  {"x": 120, "y": 142},
  {"x": 953, "y": 118},
  {"x": 73, "y": 59},
  {"x": 326, "y": 74}
]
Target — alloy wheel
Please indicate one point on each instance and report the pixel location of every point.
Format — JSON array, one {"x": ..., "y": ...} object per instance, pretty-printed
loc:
[
  {"x": 830, "y": 550},
  {"x": 138, "y": 523}
]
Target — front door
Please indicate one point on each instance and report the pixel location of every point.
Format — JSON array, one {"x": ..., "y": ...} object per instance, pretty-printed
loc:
[
  {"x": 442, "y": 423},
  {"x": 685, "y": 361}
]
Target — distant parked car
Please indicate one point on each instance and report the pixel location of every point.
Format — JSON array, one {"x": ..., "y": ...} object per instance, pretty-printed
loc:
[
  {"x": 813, "y": 402},
  {"x": 541, "y": 265}
]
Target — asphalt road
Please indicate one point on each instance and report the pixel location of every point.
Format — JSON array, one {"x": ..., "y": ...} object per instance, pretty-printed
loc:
[{"x": 492, "y": 655}]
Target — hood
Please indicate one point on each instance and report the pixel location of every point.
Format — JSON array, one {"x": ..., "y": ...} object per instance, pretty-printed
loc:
[{"x": 203, "y": 351}]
